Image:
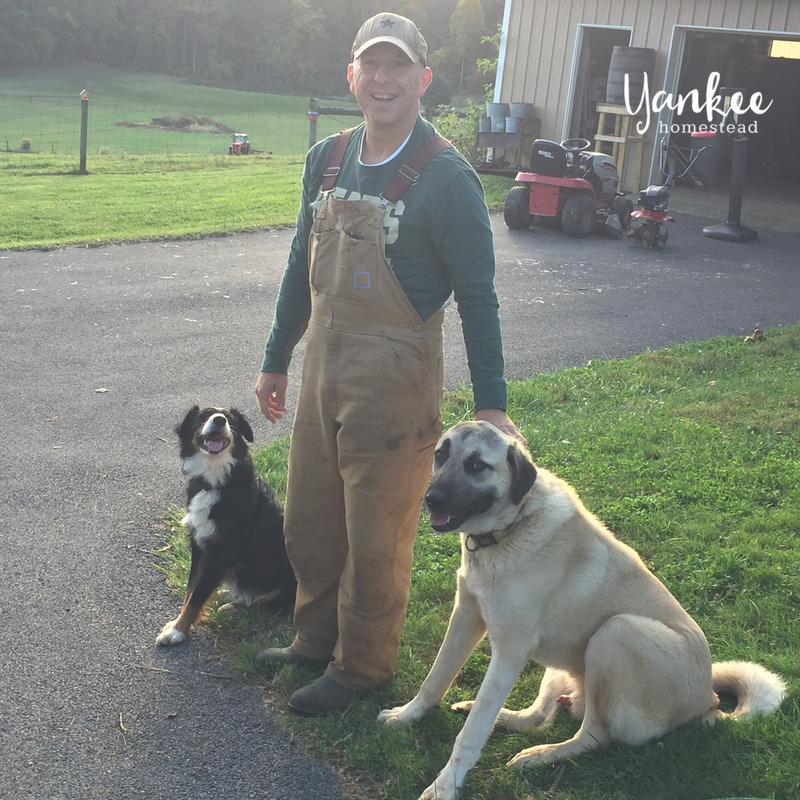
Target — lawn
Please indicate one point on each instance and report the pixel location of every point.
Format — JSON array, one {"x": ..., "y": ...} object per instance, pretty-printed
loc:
[
  {"x": 44, "y": 106},
  {"x": 691, "y": 455},
  {"x": 148, "y": 183},
  {"x": 158, "y": 197}
]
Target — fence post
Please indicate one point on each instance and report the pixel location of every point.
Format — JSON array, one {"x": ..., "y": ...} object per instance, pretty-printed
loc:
[
  {"x": 84, "y": 129},
  {"x": 314, "y": 110},
  {"x": 313, "y": 114}
]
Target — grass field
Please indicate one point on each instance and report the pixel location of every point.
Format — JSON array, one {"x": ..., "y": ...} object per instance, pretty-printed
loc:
[
  {"x": 689, "y": 454},
  {"x": 159, "y": 198},
  {"x": 135, "y": 198},
  {"x": 151, "y": 184},
  {"x": 44, "y": 106}
]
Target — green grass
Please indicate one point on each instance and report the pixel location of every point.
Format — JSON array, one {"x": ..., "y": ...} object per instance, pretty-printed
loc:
[
  {"x": 134, "y": 198},
  {"x": 155, "y": 198},
  {"x": 44, "y": 106},
  {"x": 690, "y": 454},
  {"x": 151, "y": 184}
]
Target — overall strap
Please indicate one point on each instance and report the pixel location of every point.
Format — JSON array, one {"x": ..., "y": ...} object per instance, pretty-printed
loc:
[
  {"x": 335, "y": 160},
  {"x": 408, "y": 174}
]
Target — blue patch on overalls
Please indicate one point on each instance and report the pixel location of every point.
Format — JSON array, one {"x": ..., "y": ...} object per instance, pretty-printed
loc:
[{"x": 362, "y": 280}]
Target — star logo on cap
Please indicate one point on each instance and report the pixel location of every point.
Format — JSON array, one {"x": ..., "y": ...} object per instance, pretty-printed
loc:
[{"x": 387, "y": 23}]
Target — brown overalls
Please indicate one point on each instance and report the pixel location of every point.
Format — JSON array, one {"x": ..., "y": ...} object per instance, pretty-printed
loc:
[{"x": 367, "y": 419}]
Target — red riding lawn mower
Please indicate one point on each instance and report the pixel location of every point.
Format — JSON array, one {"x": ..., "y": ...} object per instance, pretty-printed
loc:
[
  {"x": 240, "y": 146},
  {"x": 568, "y": 182}
]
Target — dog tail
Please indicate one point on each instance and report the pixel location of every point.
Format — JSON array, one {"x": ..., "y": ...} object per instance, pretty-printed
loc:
[{"x": 756, "y": 689}]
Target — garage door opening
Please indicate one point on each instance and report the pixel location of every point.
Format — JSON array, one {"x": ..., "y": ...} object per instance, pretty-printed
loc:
[{"x": 751, "y": 63}]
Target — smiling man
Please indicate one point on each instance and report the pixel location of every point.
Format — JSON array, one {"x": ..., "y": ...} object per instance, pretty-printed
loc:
[{"x": 392, "y": 222}]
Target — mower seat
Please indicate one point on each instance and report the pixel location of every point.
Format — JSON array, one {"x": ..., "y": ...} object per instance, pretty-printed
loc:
[{"x": 548, "y": 158}]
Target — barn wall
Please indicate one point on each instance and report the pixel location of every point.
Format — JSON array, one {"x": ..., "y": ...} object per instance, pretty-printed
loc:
[{"x": 539, "y": 47}]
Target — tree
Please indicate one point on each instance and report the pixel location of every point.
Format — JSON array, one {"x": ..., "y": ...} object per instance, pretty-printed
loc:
[
  {"x": 289, "y": 46},
  {"x": 15, "y": 34},
  {"x": 458, "y": 57}
]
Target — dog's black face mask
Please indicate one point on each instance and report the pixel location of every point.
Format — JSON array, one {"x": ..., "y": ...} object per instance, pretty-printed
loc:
[
  {"x": 465, "y": 483},
  {"x": 452, "y": 497}
]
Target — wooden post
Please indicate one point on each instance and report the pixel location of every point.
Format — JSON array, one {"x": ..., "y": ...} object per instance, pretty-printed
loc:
[
  {"x": 84, "y": 129},
  {"x": 313, "y": 115},
  {"x": 314, "y": 110}
]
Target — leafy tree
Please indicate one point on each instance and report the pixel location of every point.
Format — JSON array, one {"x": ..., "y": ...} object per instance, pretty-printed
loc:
[
  {"x": 290, "y": 46},
  {"x": 16, "y": 34},
  {"x": 488, "y": 66},
  {"x": 465, "y": 43},
  {"x": 466, "y": 28},
  {"x": 95, "y": 27}
]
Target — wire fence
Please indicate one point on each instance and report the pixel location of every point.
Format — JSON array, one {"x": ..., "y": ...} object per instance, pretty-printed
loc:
[{"x": 52, "y": 125}]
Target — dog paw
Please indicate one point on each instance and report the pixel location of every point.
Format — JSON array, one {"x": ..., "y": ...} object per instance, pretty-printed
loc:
[
  {"x": 443, "y": 788},
  {"x": 169, "y": 635},
  {"x": 542, "y": 754},
  {"x": 464, "y": 707},
  {"x": 401, "y": 716}
]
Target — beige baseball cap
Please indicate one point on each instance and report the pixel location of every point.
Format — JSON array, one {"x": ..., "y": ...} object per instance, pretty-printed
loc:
[{"x": 392, "y": 28}]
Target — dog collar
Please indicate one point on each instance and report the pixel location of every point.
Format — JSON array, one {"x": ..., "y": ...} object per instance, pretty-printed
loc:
[{"x": 479, "y": 541}]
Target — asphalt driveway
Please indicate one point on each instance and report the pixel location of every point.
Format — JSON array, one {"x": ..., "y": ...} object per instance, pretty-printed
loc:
[{"x": 90, "y": 708}]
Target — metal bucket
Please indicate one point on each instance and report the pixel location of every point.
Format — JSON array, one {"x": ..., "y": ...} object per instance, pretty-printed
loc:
[
  {"x": 496, "y": 110},
  {"x": 498, "y": 113},
  {"x": 520, "y": 110}
]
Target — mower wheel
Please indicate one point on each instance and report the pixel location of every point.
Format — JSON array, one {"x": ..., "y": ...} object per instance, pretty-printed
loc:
[
  {"x": 516, "y": 211},
  {"x": 577, "y": 218}
]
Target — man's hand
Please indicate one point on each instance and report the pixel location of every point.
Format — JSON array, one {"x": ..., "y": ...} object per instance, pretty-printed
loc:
[
  {"x": 271, "y": 394},
  {"x": 501, "y": 421}
]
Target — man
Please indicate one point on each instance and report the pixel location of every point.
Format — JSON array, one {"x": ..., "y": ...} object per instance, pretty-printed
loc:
[{"x": 370, "y": 269}]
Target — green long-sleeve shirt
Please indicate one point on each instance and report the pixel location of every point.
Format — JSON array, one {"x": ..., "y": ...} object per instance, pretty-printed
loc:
[{"x": 438, "y": 242}]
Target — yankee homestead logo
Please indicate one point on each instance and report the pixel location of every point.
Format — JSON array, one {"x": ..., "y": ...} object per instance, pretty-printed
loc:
[{"x": 711, "y": 105}]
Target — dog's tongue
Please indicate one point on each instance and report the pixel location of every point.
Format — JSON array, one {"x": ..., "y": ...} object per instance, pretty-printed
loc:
[
  {"x": 215, "y": 445},
  {"x": 437, "y": 520}
]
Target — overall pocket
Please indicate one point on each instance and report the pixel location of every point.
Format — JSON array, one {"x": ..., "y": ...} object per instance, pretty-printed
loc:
[{"x": 344, "y": 267}]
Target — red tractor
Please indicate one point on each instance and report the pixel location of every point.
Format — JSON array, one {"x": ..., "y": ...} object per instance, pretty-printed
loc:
[
  {"x": 567, "y": 182},
  {"x": 240, "y": 146}
]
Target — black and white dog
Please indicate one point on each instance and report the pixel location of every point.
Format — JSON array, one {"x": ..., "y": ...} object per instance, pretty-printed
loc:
[{"x": 233, "y": 519}]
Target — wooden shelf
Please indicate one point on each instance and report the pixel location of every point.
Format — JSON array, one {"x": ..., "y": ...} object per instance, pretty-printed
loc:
[{"x": 626, "y": 143}]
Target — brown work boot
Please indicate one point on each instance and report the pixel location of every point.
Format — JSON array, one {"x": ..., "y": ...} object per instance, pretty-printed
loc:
[
  {"x": 322, "y": 697},
  {"x": 273, "y": 658}
]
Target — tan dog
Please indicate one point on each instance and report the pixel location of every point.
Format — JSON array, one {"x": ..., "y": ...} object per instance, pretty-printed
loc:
[{"x": 550, "y": 583}]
